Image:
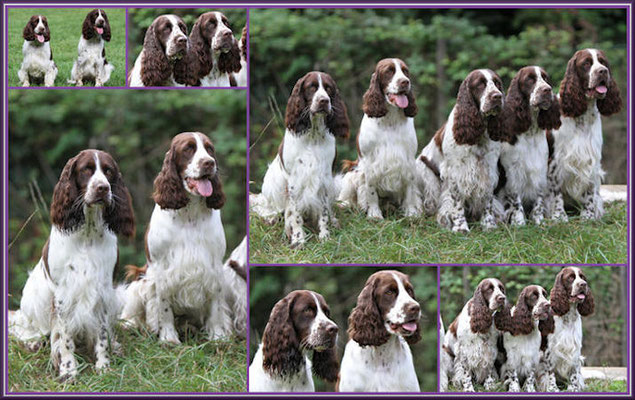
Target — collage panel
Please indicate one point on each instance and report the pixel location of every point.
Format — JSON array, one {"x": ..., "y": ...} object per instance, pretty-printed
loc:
[
  {"x": 397, "y": 159},
  {"x": 66, "y": 47},
  {"x": 197, "y": 47},
  {"x": 534, "y": 329},
  {"x": 169, "y": 163},
  {"x": 353, "y": 329}
]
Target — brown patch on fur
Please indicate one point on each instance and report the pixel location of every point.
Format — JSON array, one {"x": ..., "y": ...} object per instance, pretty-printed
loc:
[{"x": 133, "y": 272}]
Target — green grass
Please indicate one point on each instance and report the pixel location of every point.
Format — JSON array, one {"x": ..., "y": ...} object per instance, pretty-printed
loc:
[
  {"x": 66, "y": 28},
  {"x": 146, "y": 366},
  {"x": 421, "y": 240},
  {"x": 592, "y": 386}
]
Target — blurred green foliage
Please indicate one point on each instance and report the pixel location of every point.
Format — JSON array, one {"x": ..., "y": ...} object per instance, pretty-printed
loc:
[
  {"x": 604, "y": 341},
  {"x": 140, "y": 19},
  {"x": 340, "y": 287},
  {"x": 66, "y": 29},
  {"x": 47, "y": 127},
  {"x": 441, "y": 46}
]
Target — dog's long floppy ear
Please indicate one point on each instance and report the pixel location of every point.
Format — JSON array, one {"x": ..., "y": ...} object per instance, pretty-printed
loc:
[
  {"x": 280, "y": 345},
  {"x": 374, "y": 103},
  {"x": 365, "y": 324}
]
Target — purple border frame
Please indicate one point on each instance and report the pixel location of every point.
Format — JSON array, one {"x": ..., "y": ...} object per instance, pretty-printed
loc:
[{"x": 262, "y": 4}]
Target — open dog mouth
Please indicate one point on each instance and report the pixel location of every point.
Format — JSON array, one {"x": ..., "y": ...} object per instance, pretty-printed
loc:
[
  {"x": 599, "y": 90},
  {"x": 398, "y": 99},
  {"x": 99, "y": 29},
  {"x": 40, "y": 37},
  {"x": 580, "y": 297},
  {"x": 201, "y": 186},
  {"x": 405, "y": 329}
]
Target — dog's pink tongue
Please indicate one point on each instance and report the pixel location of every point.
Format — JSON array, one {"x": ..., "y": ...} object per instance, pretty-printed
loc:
[
  {"x": 100, "y": 30},
  {"x": 410, "y": 326},
  {"x": 601, "y": 89},
  {"x": 581, "y": 296},
  {"x": 401, "y": 100},
  {"x": 40, "y": 38},
  {"x": 204, "y": 187}
]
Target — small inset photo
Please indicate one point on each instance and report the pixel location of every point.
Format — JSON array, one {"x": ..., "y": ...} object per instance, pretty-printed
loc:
[
  {"x": 343, "y": 329},
  {"x": 533, "y": 329},
  {"x": 187, "y": 47},
  {"x": 55, "y": 47}
]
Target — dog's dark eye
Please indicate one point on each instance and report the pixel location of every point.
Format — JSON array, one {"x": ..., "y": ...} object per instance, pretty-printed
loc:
[
  {"x": 570, "y": 278},
  {"x": 209, "y": 148},
  {"x": 390, "y": 292},
  {"x": 307, "y": 310},
  {"x": 190, "y": 148},
  {"x": 108, "y": 172}
]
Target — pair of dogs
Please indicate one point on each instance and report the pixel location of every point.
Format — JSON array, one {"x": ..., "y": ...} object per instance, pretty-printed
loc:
[
  {"x": 210, "y": 56},
  {"x": 70, "y": 295},
  {"x": 377, "y": 357},
  {"x": 530, "y": 345},
  {"x": 494, "y": 159},
  {"x": 91, "y": 63}
]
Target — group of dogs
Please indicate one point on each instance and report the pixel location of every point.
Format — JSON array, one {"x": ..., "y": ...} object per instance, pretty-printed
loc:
[
  {"x": 529, "y": 346},
  {"x": 70, "y": 296},
  {"x": 210, "y": 56},
  {"x": 91, "y": 64},
  {"x": 497, "y": 158}
]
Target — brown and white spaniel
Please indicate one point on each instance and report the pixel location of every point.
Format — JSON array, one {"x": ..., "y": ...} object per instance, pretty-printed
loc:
[
  {"x": 165, "y": 59},
  {"x": 530, "y": 108},
  {"x": 69, "y": 295},
  {"x": 37, "y": 56},
  {"x": 386, "y": 145},
  {"x": 91, "y": 63},
  {"x": 571, "y": 299},
  {"x": 216, "y": 54},
  {"x": 587, "y": 91},
  {"x": 299, "y": 181},
  {"x": 459, "y": 165},
  {"x": 522, "y": 338},
  {"x": 384, "y": 322},
  {"x": 298, "y": 325},
  {"x": 185, "y": 245},
  {"x": 241, "y": 76},
  {"x": 471, "y": 341}
]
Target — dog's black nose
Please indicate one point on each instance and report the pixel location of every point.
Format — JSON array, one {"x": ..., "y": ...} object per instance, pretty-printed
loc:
[
  {"x": 101, "y": 189},
  {"x": 332, "y": 329},
  {"x": 413, "y": 308},
  {"x": 181, "y": 40},
  {"x": 324, "y": 101},
  {"x": 227, "y": 34},
  {"x": 496, "y": 96},
  {"x": 209, "y": 164},
  {"x": 403, "y": 83}
]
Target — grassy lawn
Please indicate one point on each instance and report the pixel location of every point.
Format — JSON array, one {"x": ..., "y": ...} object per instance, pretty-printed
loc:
[
  {"x": 421, "y": 240},
  {"x": 146, "y": 366},
  {"x": 592, "y": 386},
  {"x": 66, "y": 28}
]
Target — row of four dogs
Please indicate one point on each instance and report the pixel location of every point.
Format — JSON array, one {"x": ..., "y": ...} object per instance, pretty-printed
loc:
[
  {"x": 531, "y": 345},
  {"x": 70, "y": 295},
  {"x": 494, "y": 158}
]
